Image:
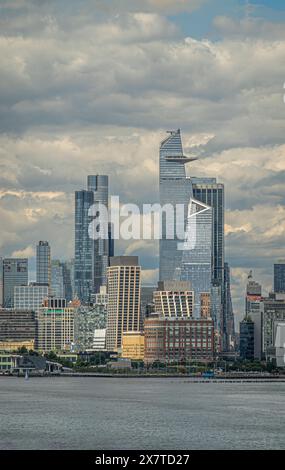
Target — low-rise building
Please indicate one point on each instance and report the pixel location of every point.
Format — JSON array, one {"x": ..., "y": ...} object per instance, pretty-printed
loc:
[
  {"x": 174, "y": 340},
  {"x": 133, "y": 345}
]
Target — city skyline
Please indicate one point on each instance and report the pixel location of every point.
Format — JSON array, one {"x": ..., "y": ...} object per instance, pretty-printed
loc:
[{"x": 69, "y": 114}]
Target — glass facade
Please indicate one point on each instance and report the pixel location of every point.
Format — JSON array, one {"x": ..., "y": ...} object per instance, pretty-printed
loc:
[
  {"x": 279, "y": 277},
  {"x": 43, "y": 263},
  {"x": 15, "y": 273}
]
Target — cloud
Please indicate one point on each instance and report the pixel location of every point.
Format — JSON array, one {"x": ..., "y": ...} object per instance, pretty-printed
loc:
[{"x": 27, "y": 252}]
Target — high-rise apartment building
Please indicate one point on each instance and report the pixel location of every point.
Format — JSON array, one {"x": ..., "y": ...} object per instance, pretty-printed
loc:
[
  {"x": 57, "y": 279},
  {"x": 279, "y": 277},
  {"x": 91, "y": 255},
  {"x": 30, "y": 297},
  {"x": 174, "y": 299},
  {"x": 15, "y": 273},
  {"x": 55, "y": 329},
  {"x": 43, "y": 260},
  {"x": 124, "y": 289}
]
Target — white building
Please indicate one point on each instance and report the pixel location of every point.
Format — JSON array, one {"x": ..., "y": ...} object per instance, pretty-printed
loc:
[{"x": 99, "y": 343}]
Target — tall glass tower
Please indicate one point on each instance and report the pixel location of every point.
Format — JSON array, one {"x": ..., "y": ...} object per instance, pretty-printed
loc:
[
  {"x": 43, "y": 263},
  {"x": 174, "y": 188},
  {"x": 91, "y": 256}
]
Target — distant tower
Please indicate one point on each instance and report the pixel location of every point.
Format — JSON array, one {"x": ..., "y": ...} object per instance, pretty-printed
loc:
[
  {"x": 124, "y": 290},
  {"x": 15, "y": 273},
  {"x": 279, "y": 277},
  {"x": 43, "y": 263},
  {"x": 91, "y": 256}
]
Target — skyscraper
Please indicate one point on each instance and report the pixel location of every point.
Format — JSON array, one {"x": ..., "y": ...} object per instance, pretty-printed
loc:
[
  {"x": 91, "y": 256},
  {"x": 43, "y": 263},
  {"x": 197, "y": 253},
  {"x": 279, "y": 277},
  {"x": 57, "y": 279},
  {"x": 189, "y": 259},
  {"x": 174, "y": 188},
  {"x": 124, "y": 289},
  {"x": 210, "y": 192},
  {"x": 15, "y": 273}
]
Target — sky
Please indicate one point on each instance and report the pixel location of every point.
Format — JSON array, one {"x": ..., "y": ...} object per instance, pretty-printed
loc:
[{"x": 90, "y": 87}]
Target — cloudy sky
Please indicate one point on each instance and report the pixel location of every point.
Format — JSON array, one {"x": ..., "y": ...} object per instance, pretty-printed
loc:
[{"x": 90, "y": 86}]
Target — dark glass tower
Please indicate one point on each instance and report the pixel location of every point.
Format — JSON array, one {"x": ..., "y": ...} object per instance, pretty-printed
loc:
[
  {"x": 279, "y": 277},
  {"x": 43, "y": 263},
  {"x": 15, "y": 273},
  {"x": 91, "y": 256}
]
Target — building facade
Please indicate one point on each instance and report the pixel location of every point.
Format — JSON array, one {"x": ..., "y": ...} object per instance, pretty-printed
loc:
[
  {"x": 174, "y": 299},
  {"x": 15, "y": 273},
  {"x": 30, "y": 297},
  {"x": 43, "y": 261},
  {"x": 178, "y": 340},
  {"x": 247, "y": 339},
  {"x": 124, "y": 289},
  {"x": 133, "y": 346},
  {"x": 91, "y": 255},
  {"x": 55, "y": 329},
  {"x": 279, "y": 277},
  {"x": 17, "y": 326}
]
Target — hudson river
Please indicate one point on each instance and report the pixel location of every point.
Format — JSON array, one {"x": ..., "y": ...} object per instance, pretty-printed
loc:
[{"x": 137, "y": 413}]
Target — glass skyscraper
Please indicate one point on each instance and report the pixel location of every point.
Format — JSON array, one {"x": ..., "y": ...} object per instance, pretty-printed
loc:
[
  {"x": 15, "y": 273},
  {"x": 174, "y": 188},
  {"x": 211, "y": 193},
  {"x": 91, "y": 256},
  {"x": 189, "y": 259},
  {"x": 279, "y": 277},
  {"x": 43, "y": 263}
]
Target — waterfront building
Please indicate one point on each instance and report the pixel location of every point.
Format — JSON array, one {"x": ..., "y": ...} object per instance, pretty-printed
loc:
[
  {"x": 276, "y": 353},
  {"x": 15, "y": 345},
  {"x": 91, "y": 256},
  {"x": 43, "y": 262},
  {"x": 279, "y": 277},
  {"x": 247, "y": 339},
  {"x": 55, "y": 329},
  {"x": 17, "y": 325},
  {"x": 174, "y": 299},
  {"x": 133, "y": 346},
  {"x": 178, "y": 340},
  {"x": 15, "y": 273},
  {"x": 30, "y": 297},
  {"x": 273, "y": 311},
  {"x": 124, "y": 302}
]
